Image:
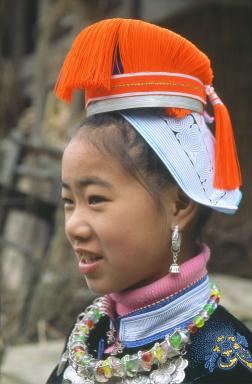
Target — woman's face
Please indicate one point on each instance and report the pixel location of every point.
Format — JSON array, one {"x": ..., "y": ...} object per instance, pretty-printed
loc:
[{"x": 117, "y": 232}]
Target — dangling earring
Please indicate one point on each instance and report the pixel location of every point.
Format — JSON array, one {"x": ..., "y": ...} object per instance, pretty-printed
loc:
[{"x": 175, "y": 248}]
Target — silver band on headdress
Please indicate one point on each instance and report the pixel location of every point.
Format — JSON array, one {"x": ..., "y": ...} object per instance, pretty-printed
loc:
[{"x": 152, "y": 100}]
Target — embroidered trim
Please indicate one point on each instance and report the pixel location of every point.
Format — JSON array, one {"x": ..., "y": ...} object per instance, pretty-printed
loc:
[
  {"x": 169, "y": 298},
  {"x": 155, "y": 83},
  {"x": 141, "y": 327},
  {"x": 168, "y": 74},
  {"x": 227, "y": 352}
]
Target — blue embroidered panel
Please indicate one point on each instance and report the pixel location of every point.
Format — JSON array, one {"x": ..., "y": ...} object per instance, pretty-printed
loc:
[
  {"x": 219, "y": 345},
  {"x": 227, "y": 352}
]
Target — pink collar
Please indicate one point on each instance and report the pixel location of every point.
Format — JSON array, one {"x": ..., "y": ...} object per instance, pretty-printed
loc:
[{"x": 190, "y": 271}]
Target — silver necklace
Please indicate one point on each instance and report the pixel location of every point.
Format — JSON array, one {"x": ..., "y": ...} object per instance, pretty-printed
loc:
[
  {"x": 136, "y": 368},
  {"x": 173, "y": 372}
]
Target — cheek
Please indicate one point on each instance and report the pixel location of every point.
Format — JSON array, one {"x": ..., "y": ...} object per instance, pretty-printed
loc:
[
  {"x": 131, "y": 236},
  {"x": 66, "y": 222},
  {"x": 68, "y": 225}
]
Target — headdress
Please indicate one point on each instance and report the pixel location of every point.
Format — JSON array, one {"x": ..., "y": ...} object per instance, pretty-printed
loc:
[{"x": 127, "y": 65}]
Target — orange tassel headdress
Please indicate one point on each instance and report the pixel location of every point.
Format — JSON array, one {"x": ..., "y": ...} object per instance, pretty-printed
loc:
[{"x": 124, "y": 63}]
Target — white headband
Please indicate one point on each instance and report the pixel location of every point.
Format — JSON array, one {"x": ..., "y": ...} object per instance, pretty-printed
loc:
[{"x": 186, "y": 147}]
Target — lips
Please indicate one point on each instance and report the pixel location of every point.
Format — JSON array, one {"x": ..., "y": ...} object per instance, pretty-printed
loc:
[{"x": 88, "y": 261}]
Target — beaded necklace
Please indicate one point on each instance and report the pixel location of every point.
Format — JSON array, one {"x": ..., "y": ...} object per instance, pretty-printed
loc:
[{"x": 94, "y": 370}]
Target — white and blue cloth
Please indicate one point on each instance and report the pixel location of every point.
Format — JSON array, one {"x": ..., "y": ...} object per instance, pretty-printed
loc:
[
  {"x": 154, "y": 322},
  {"x": 186, "y": 147}
]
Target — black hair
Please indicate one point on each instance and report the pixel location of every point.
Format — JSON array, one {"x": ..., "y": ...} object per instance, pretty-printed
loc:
[{"x": 124, "y": 143}]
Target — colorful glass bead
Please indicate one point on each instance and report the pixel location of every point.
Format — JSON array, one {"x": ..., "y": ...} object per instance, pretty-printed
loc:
[
  {"x": 99, "y": 374},
  {"x": 209, "y": 308},
  {"x": 131, "y": 364},
  {"x": 215, "y": 292},
  {"x": 117, "y": 367},
  {"x": 95, "y": 315},
  {"x": 146, "y": 360},
  {"x": 165, "y": 345},
  {"x": 215, "y": 298},
  {"x": 175, "y": 340},
  {"x": 147, "y": 357},
  {"x": 81, "y": 338},
  {"x": 198, "y": 321},
  {"x": 168, "y": 349},
  {"x": 192, "y": 328},
  {"x": 85, "y": 361},
  {"x": 79, "y": 356},
  {"x": 107, "y": 369},
  {"x": 79, "y": 348},
  {"x": 185, "y": 336},
  {"x": 84, "y": 329},
  {"x": 204, "y": 314},
  {"x": 160, "y": 354},
  {"x": 89, "y": 323}
]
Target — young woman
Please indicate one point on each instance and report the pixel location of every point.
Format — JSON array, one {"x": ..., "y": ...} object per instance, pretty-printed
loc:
[{"x": 139, "y": 179}]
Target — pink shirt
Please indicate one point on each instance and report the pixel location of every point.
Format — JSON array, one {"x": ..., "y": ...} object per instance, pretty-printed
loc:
[{"x": 191, "y": 271}]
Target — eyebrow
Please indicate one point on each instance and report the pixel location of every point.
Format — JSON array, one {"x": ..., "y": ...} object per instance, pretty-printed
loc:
[{"x": 89, "y": 181}]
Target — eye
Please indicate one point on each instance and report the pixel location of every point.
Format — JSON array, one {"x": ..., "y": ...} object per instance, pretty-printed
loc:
[
  {"x": 67, "y": 202},
  {"x": 96, "y": 199}
]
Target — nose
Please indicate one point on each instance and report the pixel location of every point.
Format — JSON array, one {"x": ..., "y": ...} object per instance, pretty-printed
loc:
[{"x": 77, "y": 227}]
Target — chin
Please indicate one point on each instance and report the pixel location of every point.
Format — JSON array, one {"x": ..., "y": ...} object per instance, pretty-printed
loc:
[
  {"x": 105, "y": 288},
  {"x": 100, "y": 289}
]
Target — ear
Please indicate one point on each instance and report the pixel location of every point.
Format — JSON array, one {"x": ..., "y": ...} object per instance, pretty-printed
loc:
[{"x": 184, "y": 210}]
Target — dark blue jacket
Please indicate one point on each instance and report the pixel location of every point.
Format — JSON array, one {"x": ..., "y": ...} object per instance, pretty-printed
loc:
[{"x": 220, "y": 352}]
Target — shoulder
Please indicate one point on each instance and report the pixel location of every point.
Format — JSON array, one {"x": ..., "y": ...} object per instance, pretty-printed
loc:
[{"x": 221, "y": 352}]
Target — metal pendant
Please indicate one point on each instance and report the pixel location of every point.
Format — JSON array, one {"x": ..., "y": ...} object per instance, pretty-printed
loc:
[
  {"x": 118, "y": 348},
  {"x": 111, "y": 336},
  {"x": 71, "y": 377},
  {"x": 174, "y": 268},
  {"x": 171, "y": 373}
]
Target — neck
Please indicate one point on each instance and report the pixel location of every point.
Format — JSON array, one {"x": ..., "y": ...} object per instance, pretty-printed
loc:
[{"x": 190, "y": 272}]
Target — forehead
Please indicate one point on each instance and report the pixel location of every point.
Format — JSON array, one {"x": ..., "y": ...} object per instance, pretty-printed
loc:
[
  {"x": 81, "y": 159},
  {"x": 77, "y": 150}
]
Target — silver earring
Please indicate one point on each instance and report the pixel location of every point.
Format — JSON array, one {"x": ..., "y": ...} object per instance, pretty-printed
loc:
[{"x": 175, "y": 248}]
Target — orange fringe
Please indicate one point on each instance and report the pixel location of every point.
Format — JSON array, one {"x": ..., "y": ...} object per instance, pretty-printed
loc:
[
  {"x": 143, "y": 47},
  {"x": 178, "y": 113},
  {"x": 89, "y": 62},
  {"x": 227, "y": 169},
  {"x": 147, "y": 47}
]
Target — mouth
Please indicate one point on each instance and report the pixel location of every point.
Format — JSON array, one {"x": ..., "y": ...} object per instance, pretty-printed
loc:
[
  {"x": 88, "y": 261},
  {"x": 86, "y": 258}
]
